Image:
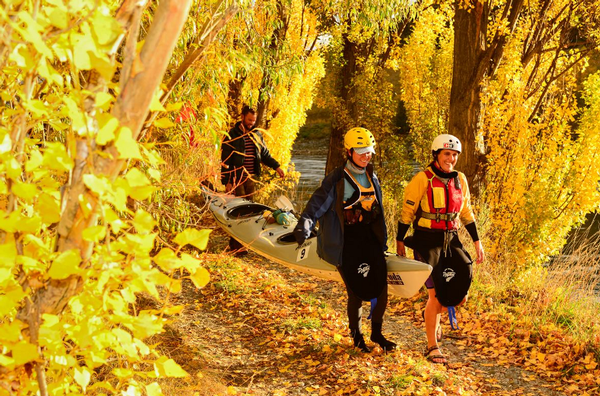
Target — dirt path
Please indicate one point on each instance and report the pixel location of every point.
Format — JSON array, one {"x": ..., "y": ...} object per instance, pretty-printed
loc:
[{"x": 262, "y": 329}]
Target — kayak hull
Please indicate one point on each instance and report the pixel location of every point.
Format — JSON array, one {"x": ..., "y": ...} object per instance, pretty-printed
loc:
[{"x": 246, "y": 221}]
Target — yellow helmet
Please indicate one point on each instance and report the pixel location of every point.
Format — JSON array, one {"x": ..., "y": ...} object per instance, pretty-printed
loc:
[{"x": 359, "y": 138}]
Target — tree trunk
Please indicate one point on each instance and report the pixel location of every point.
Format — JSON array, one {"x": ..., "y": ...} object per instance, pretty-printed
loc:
[
  {"x": 277, "y": 38},
  {"x": 465, "y": 102},
  {"x": 131, "y": 109},
  {"x": 346, "y": 115}
]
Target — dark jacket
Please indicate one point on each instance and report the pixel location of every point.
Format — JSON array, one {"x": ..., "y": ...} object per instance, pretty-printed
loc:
[
  {"x": 325, "y": 206},
  {"x": 232, "y": 154}
]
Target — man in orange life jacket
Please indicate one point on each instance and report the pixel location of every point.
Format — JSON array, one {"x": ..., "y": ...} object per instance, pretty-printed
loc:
[
  {"x": 352, "y": 234},
  {"x": 434, "y": 201},
  {"x": 242, "y": 152}
]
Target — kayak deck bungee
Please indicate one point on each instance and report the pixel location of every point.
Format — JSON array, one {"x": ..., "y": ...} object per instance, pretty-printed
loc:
[{"x": 245, "y": 221}]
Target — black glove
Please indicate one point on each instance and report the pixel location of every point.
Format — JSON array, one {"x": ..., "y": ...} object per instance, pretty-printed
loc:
[{"x": 299, "y": 235}]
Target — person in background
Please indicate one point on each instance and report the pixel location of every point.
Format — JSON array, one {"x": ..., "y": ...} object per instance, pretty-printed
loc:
[
  {"x": 352, "y": 234},
  {"x": 434, "y": 201},
  {"x": 242, "y": 152}
]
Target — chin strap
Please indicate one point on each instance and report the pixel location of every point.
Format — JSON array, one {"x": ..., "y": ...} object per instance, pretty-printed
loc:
[{"x": 452, "y": 317}]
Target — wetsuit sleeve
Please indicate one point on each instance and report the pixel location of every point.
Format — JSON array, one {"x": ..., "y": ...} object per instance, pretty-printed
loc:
[
  {"x": 467, "y": 217},
  {"x": 318, "y": 204},
  {"x": 413, "y": 193}
]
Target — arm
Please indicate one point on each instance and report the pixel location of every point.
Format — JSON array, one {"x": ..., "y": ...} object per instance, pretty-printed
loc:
[
  {"x": 467, "y": 217},
  {"x": 319, "y": 203},
  {"x": 413, "y": 193}
]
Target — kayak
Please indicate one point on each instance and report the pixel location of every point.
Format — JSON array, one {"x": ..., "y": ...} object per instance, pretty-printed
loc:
[{"x": 253, "y": 225}]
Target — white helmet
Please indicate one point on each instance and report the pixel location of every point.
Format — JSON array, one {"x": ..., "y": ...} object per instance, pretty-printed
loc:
[{"x": 447, "y": 142}]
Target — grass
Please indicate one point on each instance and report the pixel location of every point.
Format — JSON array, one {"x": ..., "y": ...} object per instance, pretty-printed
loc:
[
  {"x": 302, "y": 323},
  {"x": 317, "y": 126}
]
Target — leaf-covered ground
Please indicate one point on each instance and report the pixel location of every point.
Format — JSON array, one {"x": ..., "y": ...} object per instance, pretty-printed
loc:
[{"x": 259, "y": 328}]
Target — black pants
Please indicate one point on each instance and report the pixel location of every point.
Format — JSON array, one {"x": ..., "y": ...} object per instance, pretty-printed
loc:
[
  {"x": 355, "y": 310},
  {"x": 361, "y": 247}
]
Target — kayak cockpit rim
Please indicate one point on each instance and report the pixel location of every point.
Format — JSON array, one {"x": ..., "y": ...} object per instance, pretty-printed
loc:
[{"x": 247, "y": 210}]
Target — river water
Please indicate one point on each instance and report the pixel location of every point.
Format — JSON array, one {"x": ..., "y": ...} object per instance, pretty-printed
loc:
[{"x": 312, "y": 171}]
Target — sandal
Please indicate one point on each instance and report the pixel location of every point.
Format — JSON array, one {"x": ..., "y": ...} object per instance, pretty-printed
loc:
[
  {"x": 439, "y": 332},
  {"x": 437, "y": 359}
]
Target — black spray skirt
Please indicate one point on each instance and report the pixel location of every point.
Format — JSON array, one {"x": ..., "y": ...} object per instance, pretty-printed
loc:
[
  {"x": 452, "y": 269},
  {"x": 364, "y": 268}
]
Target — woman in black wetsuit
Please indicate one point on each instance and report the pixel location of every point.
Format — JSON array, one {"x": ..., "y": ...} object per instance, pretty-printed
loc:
[{"x": 352, "y": 233}]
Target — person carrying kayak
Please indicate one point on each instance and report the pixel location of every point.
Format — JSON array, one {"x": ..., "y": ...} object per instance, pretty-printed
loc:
[
  {"x": 242, "y": 152},
  {"x": 434, "y": 202},
  {"x": 352, "y": 234}
]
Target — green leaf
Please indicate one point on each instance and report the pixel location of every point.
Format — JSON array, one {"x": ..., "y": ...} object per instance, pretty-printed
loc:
[
  {"x": 196, "y": 238},
  {"x": 165, "y": 367},
  {"x": 65, "y": 265},
  {"x": 126, "y": 145}
]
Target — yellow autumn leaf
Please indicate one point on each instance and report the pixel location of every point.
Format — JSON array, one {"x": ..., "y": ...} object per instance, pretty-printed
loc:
[
  {"x": 94, "y": 233},
  {"x": 163, "y": 123},
  {"x": 143, "y": 222},
  {"x": 200, "y": 278},
  {"x": 48, "y": 208},
  {"x": 58, "y": 17},
  {"x": 153, "y": 389},
  {"x": 127, "y": 145},
  {"x": 107, "y": 126},
  {"x": 196, "y": 238},
  {"x": 337, "y": 337},
  {"x": 24, "y": 352},
  {"x": 155, "y": 104},
  {"x": 541, "y": 356},
  {"x": 82, "y": 376},
  {"x": 65, "y": 265},
  {"x": 25, "y": 191},
  {"x": 57, "y": 158},
  {"x": 6, "y": 361},
  {"x": 167, "y": 260},
  {"x": 165, "y": 367}
]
